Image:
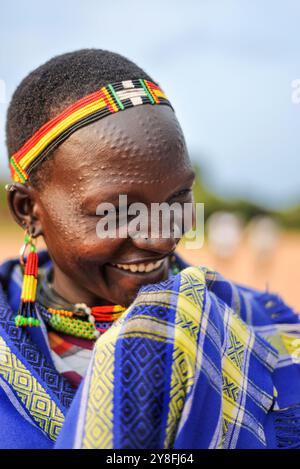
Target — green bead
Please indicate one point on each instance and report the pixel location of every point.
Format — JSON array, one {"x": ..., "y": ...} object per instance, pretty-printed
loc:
[
  {"x": 30, "y": 322},
  {"x": 73, "y": 326},
  {"x": 18, "y": 320}
]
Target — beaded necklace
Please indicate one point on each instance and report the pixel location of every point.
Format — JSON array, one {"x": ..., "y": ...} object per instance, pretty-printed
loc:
[
  {"x": 80, "y": 320},
  {"x": 94, "y": 321}
]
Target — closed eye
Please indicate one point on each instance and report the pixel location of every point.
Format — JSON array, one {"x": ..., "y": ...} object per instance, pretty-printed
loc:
[{"x": 184, "y": 192}]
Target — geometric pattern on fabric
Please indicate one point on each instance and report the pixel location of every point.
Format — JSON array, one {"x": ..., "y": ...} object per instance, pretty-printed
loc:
[
  {"x": 158, "y": 311},
  {"x": 35, "y": 399},
  {"x": 229, "y": 388},
  {"x": 238, "y": 393},
  {"x": 182, "y": 377},
  {"x": 23, "y": 342},
  {"x": 98, "y": 430},
  {"x": 232, "y": 390},
  {"x": 175, "y": 356},
  {"x": 142, "y": 393},
  {"x": 187, "y": 326},
  {"x": 239, "y": 344},
  {"x": 145, "y": 367},
  {"x": 235, "y": 350},
  {"x": 192, "y": 286},
  {"x": 166, "y": 285}
]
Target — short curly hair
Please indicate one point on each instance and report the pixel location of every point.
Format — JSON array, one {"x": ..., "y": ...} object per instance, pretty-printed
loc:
[{"x": 61, "y": 81}]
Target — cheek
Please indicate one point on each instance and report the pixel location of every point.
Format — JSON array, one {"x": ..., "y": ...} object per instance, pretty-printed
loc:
[
  {"x": 71, "y": 238},
  {"x": 79, "y": 245}
]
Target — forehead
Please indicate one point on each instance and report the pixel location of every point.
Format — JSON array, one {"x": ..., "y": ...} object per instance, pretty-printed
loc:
[{"x": 141, "y": 145}]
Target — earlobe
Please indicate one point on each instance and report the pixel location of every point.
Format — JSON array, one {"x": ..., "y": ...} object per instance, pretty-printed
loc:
[{"x": 20, "y": 199}]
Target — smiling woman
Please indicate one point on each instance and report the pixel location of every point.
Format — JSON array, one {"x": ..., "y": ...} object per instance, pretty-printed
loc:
[{"x": 113, "y": 342}]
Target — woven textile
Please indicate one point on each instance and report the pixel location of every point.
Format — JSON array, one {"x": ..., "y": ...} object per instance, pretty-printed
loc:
[
  {"x": 194, "y": 362},
  {"x": 182, "y": 369},
  {"x": 70, "y": 355}
]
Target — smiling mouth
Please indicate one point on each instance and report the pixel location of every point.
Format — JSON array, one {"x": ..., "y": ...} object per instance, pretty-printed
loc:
[{"x": 142, "y": 267}]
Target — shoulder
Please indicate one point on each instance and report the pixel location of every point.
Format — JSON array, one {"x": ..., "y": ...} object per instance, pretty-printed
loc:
[{"x": 255, "y": 307}]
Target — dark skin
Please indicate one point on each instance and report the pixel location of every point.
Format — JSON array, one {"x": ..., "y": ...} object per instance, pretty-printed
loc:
[{"x": 139, "y": 152}]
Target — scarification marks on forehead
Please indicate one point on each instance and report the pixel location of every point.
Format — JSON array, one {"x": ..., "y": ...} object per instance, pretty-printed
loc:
[{"x": 131, "y": 148}]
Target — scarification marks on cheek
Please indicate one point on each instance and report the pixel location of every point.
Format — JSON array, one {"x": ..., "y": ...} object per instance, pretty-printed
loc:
[{"x": 81, "y": 223}]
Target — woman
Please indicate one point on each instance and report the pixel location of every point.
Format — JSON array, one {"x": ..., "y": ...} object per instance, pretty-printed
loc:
[{"x": 116, "y": 343}]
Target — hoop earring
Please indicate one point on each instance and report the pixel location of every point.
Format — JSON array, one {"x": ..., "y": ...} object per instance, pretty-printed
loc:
[{"x": 27, "y": 315}]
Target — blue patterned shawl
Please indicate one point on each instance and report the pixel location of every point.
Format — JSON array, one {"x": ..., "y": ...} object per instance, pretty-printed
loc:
[{"x": 195, "y": 362}]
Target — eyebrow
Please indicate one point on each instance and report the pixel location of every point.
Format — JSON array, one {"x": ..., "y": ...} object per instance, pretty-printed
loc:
[{"x": 113, "y": 197}]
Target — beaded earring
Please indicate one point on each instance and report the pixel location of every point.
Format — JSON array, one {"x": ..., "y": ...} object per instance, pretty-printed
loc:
[{"x": 27, "y": 315}]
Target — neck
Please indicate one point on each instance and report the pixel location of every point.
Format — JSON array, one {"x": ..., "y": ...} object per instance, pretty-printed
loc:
[{"x": 73, "y": 293}]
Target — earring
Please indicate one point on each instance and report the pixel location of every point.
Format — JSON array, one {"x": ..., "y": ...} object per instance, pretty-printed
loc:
[
  {"x": 27, "y": 315},
  {"x": 10, "y": 187}
]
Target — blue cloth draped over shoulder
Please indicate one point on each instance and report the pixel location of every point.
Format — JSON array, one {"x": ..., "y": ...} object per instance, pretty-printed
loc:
[{"x": 195, "y": 362}]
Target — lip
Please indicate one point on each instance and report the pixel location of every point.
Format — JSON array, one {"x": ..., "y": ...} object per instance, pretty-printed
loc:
[
  {"x": 145, "y": 260},
  {"x": 153, "y": 274}
]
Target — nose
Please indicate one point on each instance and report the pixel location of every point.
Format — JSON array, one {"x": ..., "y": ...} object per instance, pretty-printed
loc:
[
  {"x": 159, "y": 245},
  {"x": 159, "y": 233}
]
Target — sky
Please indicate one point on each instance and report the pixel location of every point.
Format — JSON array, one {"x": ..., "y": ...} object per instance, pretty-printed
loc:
[{"x": 227, "y": 66}]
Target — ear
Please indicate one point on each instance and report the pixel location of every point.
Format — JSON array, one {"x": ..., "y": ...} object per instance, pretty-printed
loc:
[{"x": 23, "y": 203}]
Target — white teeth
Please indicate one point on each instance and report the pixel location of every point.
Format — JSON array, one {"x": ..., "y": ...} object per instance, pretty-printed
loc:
[
  {"x": 140, "y": 267},
  {"x": 149, "y": 267},
  {"x": 123, "y": 266}
]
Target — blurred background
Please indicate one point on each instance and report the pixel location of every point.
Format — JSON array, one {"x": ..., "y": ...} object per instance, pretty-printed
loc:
[{"x": 228, "y": 67}]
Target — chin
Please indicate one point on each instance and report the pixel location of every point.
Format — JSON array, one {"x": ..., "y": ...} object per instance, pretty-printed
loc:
[
  {"x": 128, "y": 297},
  {"x": 123, "y": 286}
]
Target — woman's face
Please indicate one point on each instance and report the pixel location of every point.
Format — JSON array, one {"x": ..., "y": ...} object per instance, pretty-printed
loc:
[{"x": 139, "y": 153}]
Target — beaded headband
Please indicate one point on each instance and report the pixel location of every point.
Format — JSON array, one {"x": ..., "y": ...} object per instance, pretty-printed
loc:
[{"x": 108, "y": 100}]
